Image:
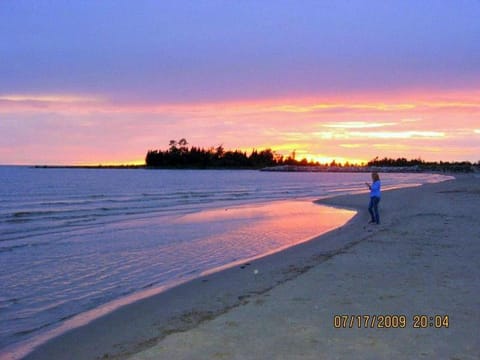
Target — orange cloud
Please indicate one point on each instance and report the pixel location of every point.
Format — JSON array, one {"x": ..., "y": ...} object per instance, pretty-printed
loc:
[
  {"x": 415, "y": 124},
  {"x": 356, "y": 125},
  {"x": 398, "y": 134},
  {"x": 297, "y": 108},
  {"x": 80, "y": 103}
]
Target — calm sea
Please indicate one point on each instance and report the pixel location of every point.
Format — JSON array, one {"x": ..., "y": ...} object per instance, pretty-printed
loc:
[{"x": 73, "y": 240}]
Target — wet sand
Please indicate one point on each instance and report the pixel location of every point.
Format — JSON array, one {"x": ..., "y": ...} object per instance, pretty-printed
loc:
[{"x": 422, "y": 260}]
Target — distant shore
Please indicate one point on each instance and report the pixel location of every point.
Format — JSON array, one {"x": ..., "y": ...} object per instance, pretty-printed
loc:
[
  {"x": 89, "y": 166},
  {"x": 284, "y": 168}
]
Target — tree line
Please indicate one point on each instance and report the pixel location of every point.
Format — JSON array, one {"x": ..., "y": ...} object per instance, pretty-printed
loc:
[
  {"x": 180, "y": 155},
  {"x": 456, "y": 166}
]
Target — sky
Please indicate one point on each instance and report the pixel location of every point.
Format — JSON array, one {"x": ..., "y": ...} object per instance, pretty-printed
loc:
[{"x": 103, "y": 82}]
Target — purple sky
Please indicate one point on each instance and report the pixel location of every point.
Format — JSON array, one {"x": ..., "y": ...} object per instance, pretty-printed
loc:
[{"x": 158, "y": 53}]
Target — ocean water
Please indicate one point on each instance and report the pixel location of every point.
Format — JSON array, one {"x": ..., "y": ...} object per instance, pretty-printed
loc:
[{"x": 75, "y": 240}]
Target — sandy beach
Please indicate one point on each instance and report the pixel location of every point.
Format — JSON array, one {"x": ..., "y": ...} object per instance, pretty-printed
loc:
[{"x": 420, "y": 264}]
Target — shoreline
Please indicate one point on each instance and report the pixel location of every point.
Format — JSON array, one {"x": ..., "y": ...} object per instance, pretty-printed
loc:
[
  {"x": 139, "y": 326},
  {"x": 421, "y": 266},
  {"x": 173, "y": 311},
  {"x": 281, "y": 222}
]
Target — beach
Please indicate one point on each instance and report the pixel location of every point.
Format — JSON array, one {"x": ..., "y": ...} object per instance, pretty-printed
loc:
[{"x": 419, "y": 263}]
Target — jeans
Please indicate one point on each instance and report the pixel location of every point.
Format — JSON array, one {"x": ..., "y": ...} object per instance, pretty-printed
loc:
[{"x": 373, "y": 209}]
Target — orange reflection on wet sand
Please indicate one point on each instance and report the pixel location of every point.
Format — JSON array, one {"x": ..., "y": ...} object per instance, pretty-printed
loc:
[{"x": 268, "y": 227}]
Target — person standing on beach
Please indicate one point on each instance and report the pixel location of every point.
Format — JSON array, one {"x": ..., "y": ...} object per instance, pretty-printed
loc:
[{"x": 374, "y": 198}]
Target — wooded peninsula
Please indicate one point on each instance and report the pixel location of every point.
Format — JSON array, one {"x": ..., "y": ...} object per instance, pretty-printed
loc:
[{"x": 180, "y": 156}]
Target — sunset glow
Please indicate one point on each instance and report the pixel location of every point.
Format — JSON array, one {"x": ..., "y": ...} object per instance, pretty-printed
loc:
[{"x": 284, "y": 82}]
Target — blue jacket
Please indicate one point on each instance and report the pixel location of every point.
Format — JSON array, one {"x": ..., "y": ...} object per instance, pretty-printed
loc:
[{"x": 375, "y": 189}]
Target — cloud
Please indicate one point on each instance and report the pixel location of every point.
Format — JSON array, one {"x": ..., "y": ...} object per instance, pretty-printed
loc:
[
  {"x": 50, "y": 103},
  {"x": 356, "y": 125},
  {"x": 319, "y": 107},
  {"x": 95, "y": 129},
  {"x": 397, "y": 134},
  {"x": 351, "y": 146},
  {"x": 49, "y": 98}
]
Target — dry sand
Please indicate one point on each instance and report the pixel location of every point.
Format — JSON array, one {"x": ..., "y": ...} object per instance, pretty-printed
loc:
[{"x": 422, "y": 259}]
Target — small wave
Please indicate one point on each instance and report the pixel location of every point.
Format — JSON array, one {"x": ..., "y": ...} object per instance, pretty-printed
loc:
[
  {"x": 29, "y": 331},
  {"x": 27, "y": 215},
  {"x": 96, "y": 196},
  {"x": 25, "y": 245},
  {"x": 13, "y": 247}
]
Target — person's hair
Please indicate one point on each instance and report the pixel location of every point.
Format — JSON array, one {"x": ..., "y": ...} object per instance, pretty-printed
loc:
[{"x": 375, "y": 176}]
